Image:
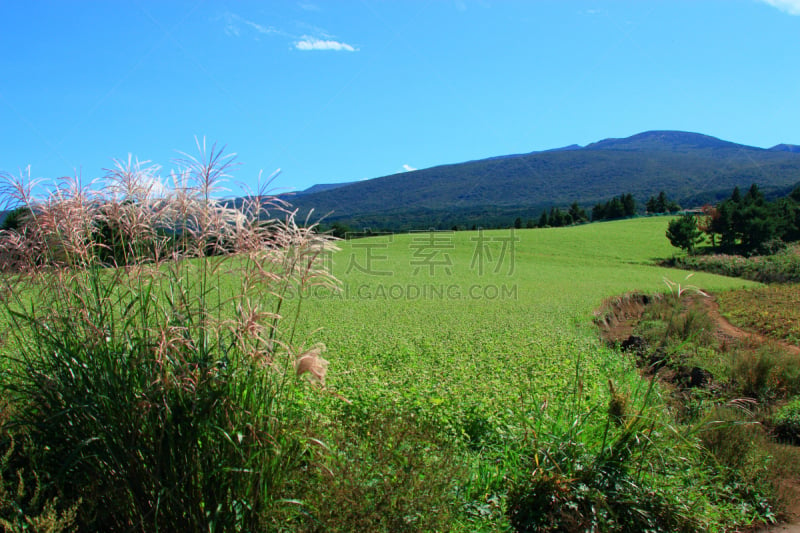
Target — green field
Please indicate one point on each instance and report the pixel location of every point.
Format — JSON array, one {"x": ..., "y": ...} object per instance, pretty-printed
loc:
[
  {"x": 461, "y": 337},
  {"x": 458, "y": 361}
]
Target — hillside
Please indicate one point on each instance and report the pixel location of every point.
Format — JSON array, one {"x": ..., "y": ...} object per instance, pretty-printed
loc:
[{"x": 690, "y": 167}]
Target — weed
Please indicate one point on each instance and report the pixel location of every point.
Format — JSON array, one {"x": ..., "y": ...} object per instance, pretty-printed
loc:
[{"x": 161, "y": 392}]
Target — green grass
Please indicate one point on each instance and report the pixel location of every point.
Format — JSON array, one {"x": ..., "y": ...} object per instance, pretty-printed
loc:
[{"x": 461, "y": 350}]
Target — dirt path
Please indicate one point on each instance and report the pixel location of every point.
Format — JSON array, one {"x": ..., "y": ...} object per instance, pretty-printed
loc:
[{"x": 728, "y": 331}]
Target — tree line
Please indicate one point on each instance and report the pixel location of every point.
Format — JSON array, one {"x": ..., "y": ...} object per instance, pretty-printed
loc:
[
  {"x": 743, "y": 223},
  {"x": 622, "y": 206}
]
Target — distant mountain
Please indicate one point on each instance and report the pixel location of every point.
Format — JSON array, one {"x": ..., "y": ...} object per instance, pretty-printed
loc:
[
  {"x": 666, "y": 141},
  {"x": 320, "y": 187},
  {"x": 786, "y": 148},
  {"x": 688, "y": 166},
  {"x": 565, "y": 148}
]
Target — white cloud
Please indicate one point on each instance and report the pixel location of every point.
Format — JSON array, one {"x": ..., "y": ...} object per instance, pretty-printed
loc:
[
  {"x": 789, "y": 6},
  {"x": 408, "y": 168},
  {"x": 312, "y": 43}
]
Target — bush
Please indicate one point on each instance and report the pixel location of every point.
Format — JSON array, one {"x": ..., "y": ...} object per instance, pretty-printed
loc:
[
  {"x": 731, "y": 435},
  {"x": 782, "y": 267},
  {"x": 765, "y": 373},
  {"x": 787, "y": 421},
  {"x": 163, "y": 394}
]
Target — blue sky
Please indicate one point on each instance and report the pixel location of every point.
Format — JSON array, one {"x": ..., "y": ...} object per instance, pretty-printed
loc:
[{"x": 350, "y": 90}]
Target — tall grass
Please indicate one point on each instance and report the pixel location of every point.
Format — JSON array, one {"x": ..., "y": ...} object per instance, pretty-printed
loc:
[
  {"x": 595, "y": 469},
  {"x": 149, "y": 361}
]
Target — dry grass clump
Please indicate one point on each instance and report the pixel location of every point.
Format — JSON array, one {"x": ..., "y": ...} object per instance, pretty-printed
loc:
[{"x": 152, "y": 364}]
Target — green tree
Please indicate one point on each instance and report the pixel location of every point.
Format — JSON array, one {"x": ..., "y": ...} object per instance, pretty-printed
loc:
[
  {"x": 662, "y": 202},
  {"x": 651, "y": 205},
  {"x": 683, "y": 233},
  {"x": 628, "y": 204},
  {"x": 577, "y": 213},
  {"x": 543, "y": 220}
]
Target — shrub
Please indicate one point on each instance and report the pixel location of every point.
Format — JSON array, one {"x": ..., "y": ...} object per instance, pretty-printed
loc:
[
  {"x": 787, "y": 421},
  {"x": 765, "y": 373},
  {"x": 22, "y": 502},
  {"x": 730, "y": 433},
  {"x": 162, "y": 393},
  {"x": 683, "y": 233},
  {"x": 782, "y": 267}
]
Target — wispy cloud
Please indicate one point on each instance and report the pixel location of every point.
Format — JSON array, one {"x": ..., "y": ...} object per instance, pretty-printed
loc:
[
  {"x": 789, "y": 6},
  {"x": 236, "y": 25},
  {"x": 312, "y": 43},
  {"x": 308, "y": 6},
  {"x": 408, "y": 168},
  {"x": 311, "y": 38}
]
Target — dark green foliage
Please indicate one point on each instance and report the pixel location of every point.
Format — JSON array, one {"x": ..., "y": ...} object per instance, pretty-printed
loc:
[
  {"x": 557, "y": 218},
  {"x": 683, "y": 233},
  {"x": 337, "y": 229},
  {"x": 661, "y": 204},
  {"x": 577, "y": 213},
  {"x": 787, "y": 421},
  {"x": 751, "y": 224},
  {"x": 619, "y": 207},
  {"x": 543, "y": 220},
  {"x": 22, "y": 498}
]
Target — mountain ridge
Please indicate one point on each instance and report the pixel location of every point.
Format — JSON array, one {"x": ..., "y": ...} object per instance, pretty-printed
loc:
[{"x": 685, "y": 165}]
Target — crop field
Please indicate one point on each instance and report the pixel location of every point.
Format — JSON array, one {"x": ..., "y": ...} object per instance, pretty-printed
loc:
[
  {"x": 476, "y": 321},
  {"x": 772, "y": 311}
]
